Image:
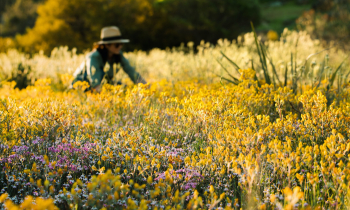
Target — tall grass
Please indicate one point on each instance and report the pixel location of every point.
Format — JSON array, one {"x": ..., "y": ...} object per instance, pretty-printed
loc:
[
  {"x": 299, "y": 74},
  {"x": 293, "y": 60}
]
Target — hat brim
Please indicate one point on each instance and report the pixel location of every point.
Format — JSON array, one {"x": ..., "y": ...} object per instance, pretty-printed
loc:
[{"x": 114, "y": 41}]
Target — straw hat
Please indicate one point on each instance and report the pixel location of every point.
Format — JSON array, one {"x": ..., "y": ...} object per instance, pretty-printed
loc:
[{"x": 111, "y": 34}]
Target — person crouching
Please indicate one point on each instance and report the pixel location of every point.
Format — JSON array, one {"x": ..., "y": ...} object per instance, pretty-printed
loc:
[{"x": 107, "y": 50}]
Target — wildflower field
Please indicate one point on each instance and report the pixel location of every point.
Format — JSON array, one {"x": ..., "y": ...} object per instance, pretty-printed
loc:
[{"x": 239, "y": 125}]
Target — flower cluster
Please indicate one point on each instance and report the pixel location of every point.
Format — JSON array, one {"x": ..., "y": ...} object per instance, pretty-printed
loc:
[{"x": 174, "y": 145}]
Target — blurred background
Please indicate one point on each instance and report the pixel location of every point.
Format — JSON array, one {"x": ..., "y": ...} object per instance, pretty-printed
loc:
[{"x": 34, "y": 25}]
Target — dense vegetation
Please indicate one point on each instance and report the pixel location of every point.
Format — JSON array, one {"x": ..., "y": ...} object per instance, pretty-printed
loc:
[
  {"x": 34, "y": 25},
  {"x": 148, "y": 23},
  {"x": 275, "y": 136},
  {"x": 259, "y": 122}
]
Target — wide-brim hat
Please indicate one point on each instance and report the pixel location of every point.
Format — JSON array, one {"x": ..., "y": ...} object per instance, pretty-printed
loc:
[{"x": 111, "y": 34}]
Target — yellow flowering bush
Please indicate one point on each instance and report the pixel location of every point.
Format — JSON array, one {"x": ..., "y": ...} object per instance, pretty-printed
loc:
[
  {"x": 189, "y": 140},
  {"x": 29, "y": 203},
  {"x": 174, "y": 145}
]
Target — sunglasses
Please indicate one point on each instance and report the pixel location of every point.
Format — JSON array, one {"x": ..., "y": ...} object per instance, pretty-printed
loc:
[{"x": 116, "y": 45}]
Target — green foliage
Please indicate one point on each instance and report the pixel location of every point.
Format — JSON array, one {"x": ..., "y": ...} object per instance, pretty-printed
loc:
[
  {"x": 17, "y": 15},
  {"x": 276, "y": 2},
  {"x": 147, "y": 23},
  {"x": 277, "y": 17},
  {"x": 4, "y": 4},
  {"x": 20, "y": 74},
  {"x": 6, "y": 43},
  {"x": 194, "y": 20},
  {"x": 328, "y": 21},
  {"x": 300, "y": 75}
]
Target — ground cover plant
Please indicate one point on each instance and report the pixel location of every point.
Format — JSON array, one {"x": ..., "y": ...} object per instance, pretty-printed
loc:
[
  {"x": 184, "y": 146},
  {"x": 190, "y": 141}
]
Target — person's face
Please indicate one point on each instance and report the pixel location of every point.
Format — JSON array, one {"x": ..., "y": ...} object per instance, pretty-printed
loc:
[{"x": 114, "y": 48}]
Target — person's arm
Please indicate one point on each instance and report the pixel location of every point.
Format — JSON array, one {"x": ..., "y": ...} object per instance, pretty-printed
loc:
[
  {"x": 95, "y": 73},
  {"x": 134, "y": 75}
]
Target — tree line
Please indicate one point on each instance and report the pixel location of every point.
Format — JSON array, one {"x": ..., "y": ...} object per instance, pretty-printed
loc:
[
  {"x": 147, "y": 23},
  {"x": 34, "y": 25}
]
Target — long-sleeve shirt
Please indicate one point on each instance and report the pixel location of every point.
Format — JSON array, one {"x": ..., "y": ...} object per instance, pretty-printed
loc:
[{"x": 92, "y": 70}]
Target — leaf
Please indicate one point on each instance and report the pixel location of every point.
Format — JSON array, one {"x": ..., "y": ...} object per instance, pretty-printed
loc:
[
  {"x": 274, "y": 70},
  {"x": 255, "y": 77},
  {"x": 236, "y": 83},
  {"x": 285, "y": 76},
  {"x": 227, "y": 71},
  {"x": 320, "y": 74},
  {"x": 261, "y": 56},
  {"x": 231, "y": 61},
  {"x": 331, "y": 81}
]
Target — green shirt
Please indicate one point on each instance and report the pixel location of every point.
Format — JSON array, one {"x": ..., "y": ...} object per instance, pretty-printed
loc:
[{"x": 92, "y": 70}]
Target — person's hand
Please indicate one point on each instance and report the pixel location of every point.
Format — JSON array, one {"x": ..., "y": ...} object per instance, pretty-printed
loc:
[
  {"x": 142, "y": 80},
  {"x": 97, "y": 89}
]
